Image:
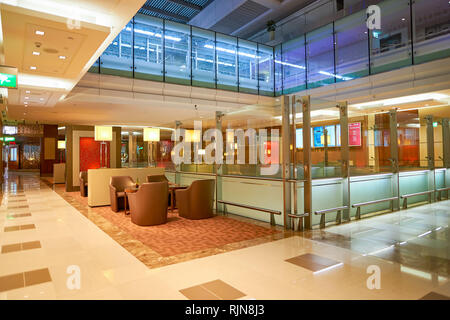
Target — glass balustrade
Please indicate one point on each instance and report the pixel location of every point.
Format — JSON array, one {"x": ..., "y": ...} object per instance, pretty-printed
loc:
[{"x": 150, "y": 48}]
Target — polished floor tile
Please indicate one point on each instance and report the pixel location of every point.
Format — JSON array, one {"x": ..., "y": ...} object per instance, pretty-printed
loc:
[{"x": 69, "y": 256}]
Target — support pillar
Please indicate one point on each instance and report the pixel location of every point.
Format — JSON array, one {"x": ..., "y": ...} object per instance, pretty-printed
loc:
[
  {"x": 395, "y": 183},
  {"x": 430, "y": 156},
  {"x": 307, "y": 186},
  {"x": 178, "y": 166},
  {"x": 219, "y": 168},
  {"x": 345, "y": 158},
  {"x": 286, "y": 163},
  {"x": 446, "y": 151}
]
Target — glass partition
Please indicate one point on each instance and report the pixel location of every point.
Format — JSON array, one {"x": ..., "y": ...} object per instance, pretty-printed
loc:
[
  {"x": 265, "y": 70},
  {"x": 117, "y": 59},
  {"x": 408, "y": 140},
  {"x": 320, "y": 56},
  {"x": 203, "y": 56},
  {"x": 177, "y": 53},
  {"x": 431, "y": 35},
  {"x": 352, "y": 51},
  {"x": 226, "y": 62},
  {"x": 391, "y": 46},
  {"x": 248, "y": 66},
  {"x": 293, "y": 65},
  {"x": 369, "y": 143},
  {"x": 325, "y": 141},
  {"x": 278, "y": 71},
  {"x": 252, "y": 141},
  {"x": 154, "y": 49},
  {"x": 148, "y": 48}
]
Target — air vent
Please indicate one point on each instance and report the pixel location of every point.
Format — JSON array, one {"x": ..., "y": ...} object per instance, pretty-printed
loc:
[
  {"x": 50, "y": 50},
  {"x": 238, "y": 18}
]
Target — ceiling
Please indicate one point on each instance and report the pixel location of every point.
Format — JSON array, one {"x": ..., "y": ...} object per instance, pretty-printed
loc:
[
  {"x": 53, "y": 43},
  {"x": 244, "y": 18},
  {"x": 176, "y": 10}
]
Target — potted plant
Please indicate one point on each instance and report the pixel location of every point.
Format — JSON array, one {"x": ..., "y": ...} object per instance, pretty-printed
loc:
[{"x": 271, "y": 29}]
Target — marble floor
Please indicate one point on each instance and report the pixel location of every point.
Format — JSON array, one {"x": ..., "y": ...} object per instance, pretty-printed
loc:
[{"x": 50, "y": 250}]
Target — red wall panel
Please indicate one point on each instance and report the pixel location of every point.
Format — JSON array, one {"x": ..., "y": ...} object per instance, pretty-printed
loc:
[{"x": 90, "y": 154}]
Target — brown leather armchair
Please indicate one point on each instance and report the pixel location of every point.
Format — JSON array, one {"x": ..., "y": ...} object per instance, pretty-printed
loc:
[
  {"x": 157, "y": 178},
  {"x": 196, "y": 202},
  {"x": 117, "y": 186},
  {"x": 148, "y": 206},
  {"x": 83, "y": 183}
]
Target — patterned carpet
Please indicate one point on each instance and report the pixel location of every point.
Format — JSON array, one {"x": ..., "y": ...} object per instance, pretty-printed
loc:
[{"x": 181, "y": 235}]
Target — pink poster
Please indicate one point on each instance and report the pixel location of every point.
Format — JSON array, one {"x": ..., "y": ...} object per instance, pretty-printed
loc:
[{"x": 354, "y": 134}]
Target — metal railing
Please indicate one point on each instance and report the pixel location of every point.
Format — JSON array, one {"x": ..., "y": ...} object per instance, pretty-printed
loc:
[
  {"x": 323, "y": 212},
  {"x": 359, "y": 205},
  {"x": 439, "y": 192},
  {"x": 406, "y": 196},
  {"x": 270, "y": 211}
]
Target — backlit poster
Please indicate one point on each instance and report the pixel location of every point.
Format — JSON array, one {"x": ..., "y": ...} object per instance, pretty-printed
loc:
[
  {"x": 299, "y": 138},
  {"x": 331, "y": 136},
  {"x": 354, "y": 134},
  {"x": 318, "y": 137}
]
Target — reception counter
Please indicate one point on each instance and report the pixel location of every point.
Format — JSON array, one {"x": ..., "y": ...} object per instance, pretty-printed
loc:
[{"x": 98, "y": 181}]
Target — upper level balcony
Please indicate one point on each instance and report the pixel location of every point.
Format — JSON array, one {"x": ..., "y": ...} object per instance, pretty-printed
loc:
[{"x": 154, "y": 49}]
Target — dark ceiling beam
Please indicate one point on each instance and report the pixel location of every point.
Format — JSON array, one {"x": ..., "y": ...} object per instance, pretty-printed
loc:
[
  {"x": 187, "y": 4},
  {"x": 168, "y": 14}
]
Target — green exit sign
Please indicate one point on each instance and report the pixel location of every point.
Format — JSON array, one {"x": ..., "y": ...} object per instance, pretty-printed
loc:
[
  {"x": 8, "y": 80},
  {"x": 7, "y": 139}
]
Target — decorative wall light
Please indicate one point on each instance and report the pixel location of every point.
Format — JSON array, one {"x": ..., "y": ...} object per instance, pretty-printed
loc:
[
  {"x": 61, "y": 146},
  {"x": 103, "y": 134}
]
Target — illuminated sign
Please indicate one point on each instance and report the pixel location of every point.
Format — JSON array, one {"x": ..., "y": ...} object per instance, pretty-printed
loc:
[
  {"x": 9, "y": 130},
  {"x": 7, "y": 139},
  {"x": 8, "y": 80},
  {"x": 354, "y": 134}
]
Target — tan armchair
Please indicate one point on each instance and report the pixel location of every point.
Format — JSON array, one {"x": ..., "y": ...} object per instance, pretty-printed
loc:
[
  {"x": 157, "y": 178},
  {"x": 117, "y": 186},
  {"x": 83, "y": 183},
  {"x": 148, "y": 206},
  {"x": 196, "y": 202}
]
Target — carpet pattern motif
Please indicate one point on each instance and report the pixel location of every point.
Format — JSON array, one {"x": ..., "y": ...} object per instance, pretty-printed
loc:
[{"x": 181, "y": 235}]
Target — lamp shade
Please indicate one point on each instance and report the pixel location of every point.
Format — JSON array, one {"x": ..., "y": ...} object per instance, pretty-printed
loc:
[
  {"x": 192, "y": 136},
  {"x": 151, "y": 134},
  {"x": 230, "y": 136},
  {"x": 61, "y": 144},
  {"x": 103, "y": 133}
]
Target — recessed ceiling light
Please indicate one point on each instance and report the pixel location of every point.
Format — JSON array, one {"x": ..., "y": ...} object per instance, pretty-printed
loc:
[
  {"x": 62, "y": 57},
  {"x": 27, "y": 98},
  {"x": 42, "y": 99},
  {"x": 25, "y": 102},
  {"x": 35, "y": 53},
  {"x": 28, "y": 91},
  {"x": 33, "y": 68},
  {"x": 40, "y": 33}
]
